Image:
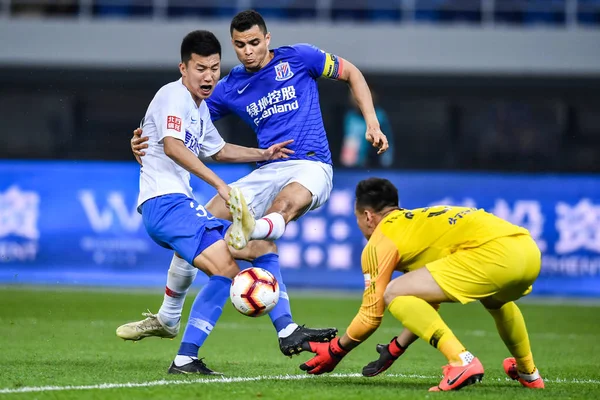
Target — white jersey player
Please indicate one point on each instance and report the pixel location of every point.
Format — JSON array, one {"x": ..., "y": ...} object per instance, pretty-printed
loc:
[
  {"x": 173, "y": 112},
  {"x": 180, "y": 129}
]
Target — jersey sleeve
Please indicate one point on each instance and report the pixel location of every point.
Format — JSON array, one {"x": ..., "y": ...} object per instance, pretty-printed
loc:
[
  {"x": 379, "y": 259},
  {"x": 216, "y": 102},
  {"x": 169, "y": 119},
  {"x": 318, "y": 62},
  {"x": 213, "y": 141}
]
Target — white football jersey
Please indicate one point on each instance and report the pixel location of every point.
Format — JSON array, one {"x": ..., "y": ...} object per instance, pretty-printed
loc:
[{"x": 173, "y": 112}]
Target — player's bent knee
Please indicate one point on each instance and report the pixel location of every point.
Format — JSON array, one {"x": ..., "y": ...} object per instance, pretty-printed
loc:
[
  {"x": 285, "y": 207},
  {"x": 216, "y": 260},
  {"x": 217, "y": 207},
  {"x": 390, "y": 294},
  {"x": 293, "y": 200}
]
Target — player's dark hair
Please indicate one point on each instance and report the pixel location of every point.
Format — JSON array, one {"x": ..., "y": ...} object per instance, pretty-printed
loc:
[
  {"x": 376, "y": 193},
  {"x": 246, "y": 20},
  {"x": 203, "y": 43}
]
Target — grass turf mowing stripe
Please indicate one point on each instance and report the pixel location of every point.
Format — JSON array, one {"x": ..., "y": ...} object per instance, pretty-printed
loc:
[{"x": 103, "y": 386}]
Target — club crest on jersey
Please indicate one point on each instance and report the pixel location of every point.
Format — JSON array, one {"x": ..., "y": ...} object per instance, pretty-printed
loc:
[{"x": 283, "y": 72}]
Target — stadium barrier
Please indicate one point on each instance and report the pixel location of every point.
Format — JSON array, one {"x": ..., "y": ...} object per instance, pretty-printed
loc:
[{"x": 75, "y": 223}]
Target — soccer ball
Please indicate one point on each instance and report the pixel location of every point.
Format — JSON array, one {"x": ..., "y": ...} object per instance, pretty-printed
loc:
[{"x": 254, "y": 292}]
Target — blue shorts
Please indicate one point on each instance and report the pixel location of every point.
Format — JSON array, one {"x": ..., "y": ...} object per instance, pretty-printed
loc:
[{"x": 179, "y": 223}]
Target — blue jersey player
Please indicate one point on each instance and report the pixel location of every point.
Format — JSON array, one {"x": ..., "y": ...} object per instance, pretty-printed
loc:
[{"x": 275, "y": 92}]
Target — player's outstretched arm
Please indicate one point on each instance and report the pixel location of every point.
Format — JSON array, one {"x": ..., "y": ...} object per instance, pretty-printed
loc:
[
  {"x": 229, "y": 153},
  {"x": 240, "y": 154},
  {"x": 175, "y": 149},
  {"x": 362, "y": 96},
  {"x": 376, "y": 261}
]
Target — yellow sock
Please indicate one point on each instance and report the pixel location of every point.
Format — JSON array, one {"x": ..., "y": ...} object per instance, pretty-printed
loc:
[
  {"x": 420, "y": 318},
  {"x": 512, "y": 330},
  {"x": 525, "y": 364}
]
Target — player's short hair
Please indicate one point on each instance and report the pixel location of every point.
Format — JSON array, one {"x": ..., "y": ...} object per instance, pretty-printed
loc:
[
  {"x": 376, "y": 193},
  {"x": 203, "y": 43},
  {"x": 246, "y": 20}
]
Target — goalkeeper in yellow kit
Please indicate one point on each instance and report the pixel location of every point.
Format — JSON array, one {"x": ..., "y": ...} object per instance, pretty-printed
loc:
[{"x": 447, "y": 254}]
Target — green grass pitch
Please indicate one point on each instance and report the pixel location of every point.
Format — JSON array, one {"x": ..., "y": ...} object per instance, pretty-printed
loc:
[{"x": 61, "y": 343}]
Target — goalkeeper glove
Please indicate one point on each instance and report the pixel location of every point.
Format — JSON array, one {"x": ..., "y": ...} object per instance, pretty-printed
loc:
[
  {"x": 388, "y": 353},
  {"x": 328, "y": 355}
]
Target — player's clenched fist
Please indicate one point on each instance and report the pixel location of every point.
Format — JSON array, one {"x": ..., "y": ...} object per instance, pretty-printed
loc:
[{"x": 328, "y": 355}]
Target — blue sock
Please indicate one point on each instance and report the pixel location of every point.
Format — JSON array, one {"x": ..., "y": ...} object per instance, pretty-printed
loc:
[
  {"x": 205, "y": 312},
  {"x": 281, "y": 315}
]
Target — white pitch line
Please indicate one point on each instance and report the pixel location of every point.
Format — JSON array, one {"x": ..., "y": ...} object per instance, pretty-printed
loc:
[{"x": 163, "y": 382}]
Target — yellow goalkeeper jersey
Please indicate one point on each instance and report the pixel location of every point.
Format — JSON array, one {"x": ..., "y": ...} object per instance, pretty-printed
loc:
[{"x": 406, "y": 240}]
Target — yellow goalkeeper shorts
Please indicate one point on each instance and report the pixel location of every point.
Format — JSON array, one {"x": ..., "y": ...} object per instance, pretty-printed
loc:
[{"x": 504, "y": 268}]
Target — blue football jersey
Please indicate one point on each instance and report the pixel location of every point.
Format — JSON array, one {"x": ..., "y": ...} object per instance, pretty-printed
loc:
[{"x": 281, "y": 100}]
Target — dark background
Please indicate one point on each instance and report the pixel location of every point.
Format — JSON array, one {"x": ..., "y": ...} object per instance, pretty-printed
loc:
[{"x": 438, "y": 122}]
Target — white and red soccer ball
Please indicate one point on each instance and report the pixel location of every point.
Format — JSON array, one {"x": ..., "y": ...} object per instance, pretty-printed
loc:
[{"x": 254, "y": 292}]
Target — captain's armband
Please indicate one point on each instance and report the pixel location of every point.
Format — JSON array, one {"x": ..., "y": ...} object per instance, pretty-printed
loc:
[{"x": 333, "y": 66}]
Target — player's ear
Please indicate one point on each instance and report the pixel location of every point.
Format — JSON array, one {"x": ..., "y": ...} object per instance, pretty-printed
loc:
[
  {"x": 268, "y": 38},
  {"x": 369, "y": 216},
  {"x": 182, "y": 69}
]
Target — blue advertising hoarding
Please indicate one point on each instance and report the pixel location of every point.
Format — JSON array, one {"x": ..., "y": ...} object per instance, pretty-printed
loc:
[{"x": 76, "y": 223}]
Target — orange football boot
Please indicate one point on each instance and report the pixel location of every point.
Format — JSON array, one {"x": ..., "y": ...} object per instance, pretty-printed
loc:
[
  {"x": 458, "y": 377},
  {"x": 510, "y": 367}
]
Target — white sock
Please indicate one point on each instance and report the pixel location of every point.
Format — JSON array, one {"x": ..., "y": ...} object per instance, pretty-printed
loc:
[
  {"x": 530, "y": 377},
  {"x": 287, "y": 331},
  {"x": 183, "y": 360},
  {"x": 180, "y": 277},
  {"x": 466, "y": 357},
  {"x": 270, "y": 227}
]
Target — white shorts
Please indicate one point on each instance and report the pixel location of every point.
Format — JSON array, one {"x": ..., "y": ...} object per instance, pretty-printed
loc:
[{"x": 261, "y": 186}]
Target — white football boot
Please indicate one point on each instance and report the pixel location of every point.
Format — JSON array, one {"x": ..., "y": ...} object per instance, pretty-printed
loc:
[
  {"x": 151, "y": 326},
  {"x": 243, "y": 220}
]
